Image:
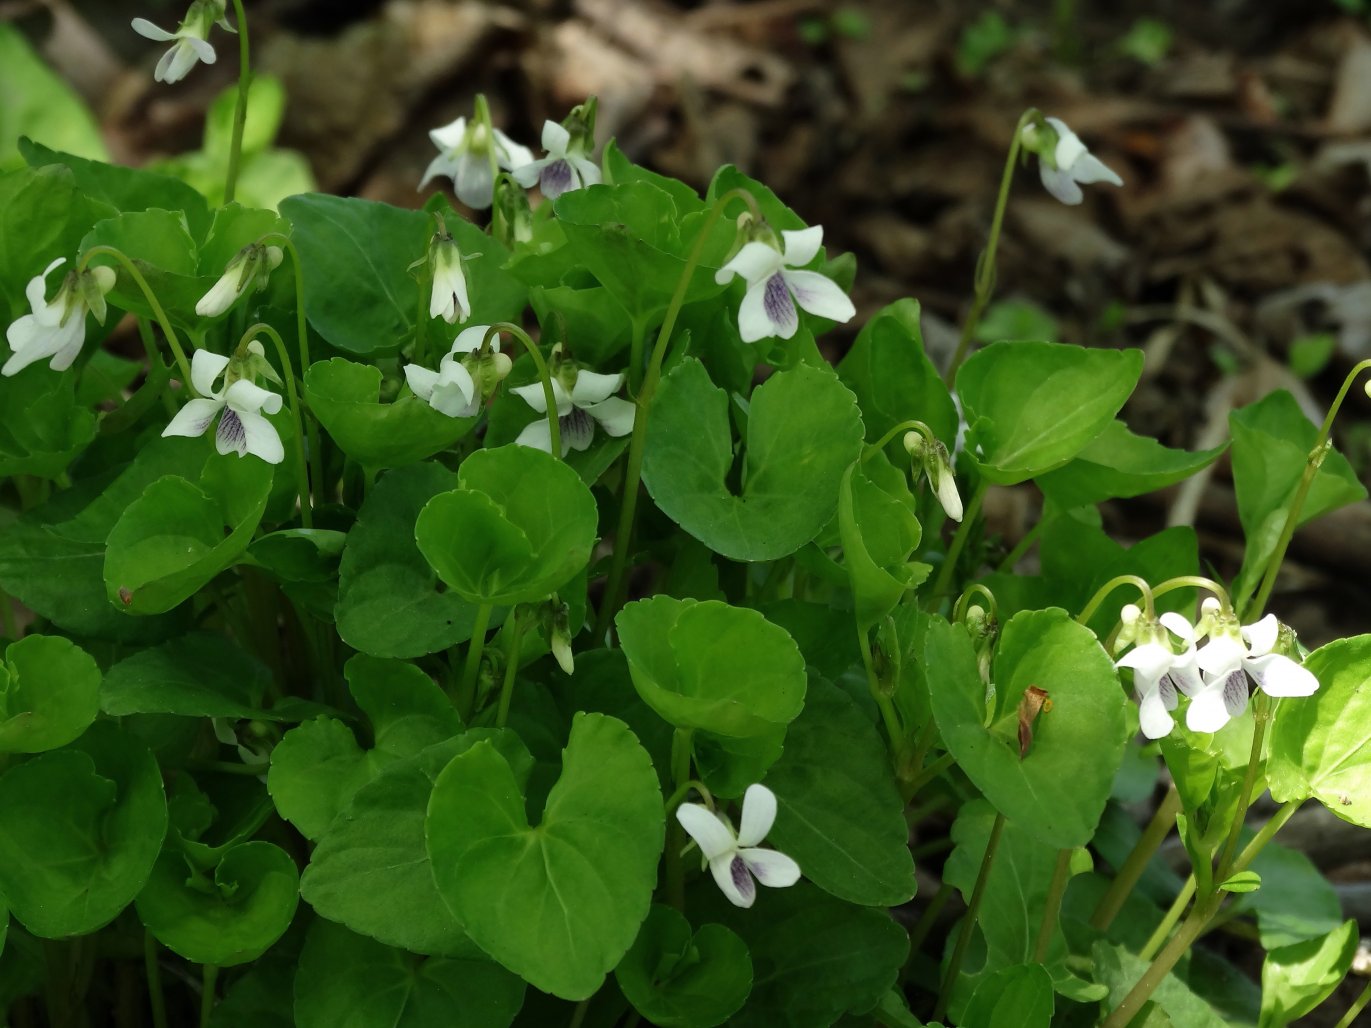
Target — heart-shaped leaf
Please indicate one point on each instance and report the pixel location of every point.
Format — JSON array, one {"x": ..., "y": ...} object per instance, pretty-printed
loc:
[
  {"x": 1120, "y": 464},
  {"x": 42, "y": 426},
  {"x": 49, "y": 694},
  {"x": 677, "y": 979},
  {"x": 878, "y": 529}
]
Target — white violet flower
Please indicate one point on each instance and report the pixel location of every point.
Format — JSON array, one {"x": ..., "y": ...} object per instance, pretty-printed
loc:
[
  {"x": 1158, "y": 669},
  {"x": 774, "y": 287},
  {"x": 453, "y": 389},
  {"x": 191, "y": 39},
  {"x": 449, "y": 299},
  {"x": 249, "y": 268},
  {"x": 579, "y": 408},
  {"x": 465, "y": 158},
  {"x": 238, "y": 405},
  {"x": 56, "y": 328},
  {"x": 1067, "y": 165},
  {"x": 733, "y": 857},
  {"x": 566, "y": 167},
  {"x": 937, "y": 465},
  {"x": 1231, "y": 660}
]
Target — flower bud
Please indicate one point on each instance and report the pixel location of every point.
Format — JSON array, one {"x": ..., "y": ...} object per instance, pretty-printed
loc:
[
  {"x": 449, "y": 299},
  {"x": 249, "y": 269},
  {"x": 512, "y": 217}
]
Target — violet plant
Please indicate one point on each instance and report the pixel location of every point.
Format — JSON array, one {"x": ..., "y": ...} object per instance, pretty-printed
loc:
[{"x": 429, "y": 687}]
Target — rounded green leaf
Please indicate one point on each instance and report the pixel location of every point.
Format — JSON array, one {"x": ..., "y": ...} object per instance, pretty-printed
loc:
[
  {"x": 520, "y": 524},
  {"x": 840, "y": 814},
  {"x": 230, "y": 916},
  {"x": 1020, "y": 995},
  {"x": 803, "y": 431},
  {"x": 42, "y": 425},
  {"x": 169, "y": 542},
  {"x": 1032, "y": 406},
  {"x": 677, "y": 979},
  {"x": 1297, "y": 978},
  {"x": 196, "y": 675},
  {"x": 878, "y": 529},
  {"x": 1320, "y": 745},
  {"x": 346, "y": 398},
  {"x": 711, "y": 666},
  {"x": 558, "y": 903},
  {"x": 80, "y": 829},
  {"x": 49, "y": 694},
  {"x": 1057, "y": 790},
  {"x": 1118, "y": 463},
  {"x": 347, "y": 979}
]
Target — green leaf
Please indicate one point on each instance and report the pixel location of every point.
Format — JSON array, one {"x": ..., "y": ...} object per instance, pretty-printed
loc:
[
  {"x": 231, "y": 916},
  {"x": 42, "y": 428},
  {"x": 172, "y": 540},
  {"x": 1058, "y": 790},
  {"x": 1020, "y": 995},
  {"x": 1296, "y": 901},
  {"x": 195, "y": 675},
  {"x": 878, "y": 529},
  {"x": 1297, "y": 978},
  {"x": 707, "y": 665},
  {"x": 261, "y": 996},
  {"x": 1016, "y": 319},
  {"x": 1271, "y": 443},
  {"x": 346, "y": 397},
  {"x": 677, "y": 979},
  {"x": 803, "y": 431},
  {"x": 1120, "y": 970},
  {"x": 355, "y": 253},
  {"x": 1243, "y": 881},
  {"x": 160, "y": 244},
  {"x": 815, "y": 957},
  {"x": 346, "y": 979},
  {"x": 559, "y": 904},
  {"x": 49, "y": 694},
  {"x": 519, "y": 525},
  {"x": 840, "y": 814},
  {"x": 318, "y": 766},
  {"x": 1320, "y": 744},
  {"x": 388, "y": 601},
  {"x": 80, "y": 829},
  {"x": 370, "y": 870},
  {"x": 1119, "y": 464},
  {"x": 1033, "y": 406},
  {"x": 38, "y": 103},
  {"x": 125, "y": 189},
  {"x": 893, "y": 378}
]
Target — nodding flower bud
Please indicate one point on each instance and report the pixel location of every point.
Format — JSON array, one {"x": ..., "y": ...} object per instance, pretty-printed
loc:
[
  {"x": 449, "y": 299},
  {"x": 940, "y": 476},
  {"x": 512, "y": 217},
  {"x": 1130, "y": 616},
  {"x": 249, "y": 269},
  {"x": 914, "y": 445},
  {"x": 554, "y": 619}
]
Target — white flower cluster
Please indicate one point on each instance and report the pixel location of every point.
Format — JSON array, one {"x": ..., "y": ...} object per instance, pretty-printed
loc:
[{"x": 1218, "y": 676}]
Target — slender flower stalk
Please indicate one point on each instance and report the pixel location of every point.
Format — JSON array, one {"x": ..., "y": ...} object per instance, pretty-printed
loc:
[
  {"x": 293, "y": 401},
  {"x": 157, "y": 312},
  {"x": 240, "y": 110}
]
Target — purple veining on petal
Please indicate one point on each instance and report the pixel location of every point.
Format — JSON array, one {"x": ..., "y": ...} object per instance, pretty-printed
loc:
[
  {"x": 778, "y": 304},
  {"x": 1235, "y": 692},
  {"x": 1166, "y": 689},
  {"x": 231, "y": 435},
  {"x": 555, "y": 179},
  {"x": 742, "y": 879},
  {"x": 577, "y": 427}
]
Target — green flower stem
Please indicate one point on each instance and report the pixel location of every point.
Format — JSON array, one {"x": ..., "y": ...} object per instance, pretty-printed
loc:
[
  {"x": 156, "y": 1000},
  {"x": 1012, "y": 558},
  {"x": 633, "y": 472},
  {"x": 1103, "y": 593},
  {"x": 675, "y": 834},
  {"x": 1350, "y": 1018},
  {"x": 515, "y": 628},
  {"x": 954, "y": 551},
  {"x": 549, "y": 397},
  {"x": 422, "y": 355},
  {"x": 954, "y": 966},
  {"x": 161, "y": 315},
  {"x": 578, "y": 1016},
  {"x": 925, "y": 923},
  {"x": 985, "y": 264},
  {"x": 1136, "y": 862},
  {"x": 466, "y": 689},
  {"x": 1247, "y": 610},
  {"x": 872, "y": 449},
  {"x": 483, "y": 116},
  {"x": 316, "y": 453},
  {"x": 1052, "y": 907},
  {"x": 1168, "y": 922},
  {"x": 1191, "y": 582},
  {"x": 964, "y": 600},
  {"x": 637, "y": 339},
  {"x": 926, "y": 775},
  {"x": 1262, "y": 715},
  {"x": 889, "y": 717},
  {"x": 211, "y": 977},
  {"x": 240, "y": 112},
  {"x": 682, "y": 791},
  {"x": 301, "y": 471}
]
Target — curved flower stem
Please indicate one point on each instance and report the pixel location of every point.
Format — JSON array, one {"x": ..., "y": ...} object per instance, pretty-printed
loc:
[
  {"x": 1101, "y": 594},
  {"x": 1052, "y": 905},
  {"x": 633, "y": 472},
  {"x": 1350, "y": 1018},
  {"x": 1136, "y": 862},
  {"x": 985, "y": 264},
  {"x": 1191, "y": 582},
  {"x": 1317, "y": 452},
  {"x": 554, "y": 429},
  {"x": 871, "y": 449},
  {"x": 954, "y": 966},
  {"x": 466, "y": 689},
  {"x": 515, "y": 628},
  {"x": 316, "y": 453},
  {"x": 954, "y": 551},
  {"x": 683, "y": 790},
  {"x": 675, "y": 835},
  {"x": 301, "y": 471},
  {"x": 240, "y": 112},
  {"x": 157, "y": 312},
  {"x": 959, "y": 608},
  {"x": 1012, "y": 558}
]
